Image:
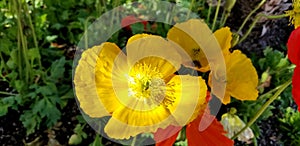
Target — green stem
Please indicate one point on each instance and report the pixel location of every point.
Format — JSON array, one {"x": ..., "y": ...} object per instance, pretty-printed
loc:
[
  {"x": 6, "y": 93},
  {"x": 216, "y": 15},
  {"x": 191, "y": 7},
  {"x": 4, "y": 64},
  {"x": 250, "y": 14},
  {"x": 264, "y": 107},
  {"x": 222, "y": 19},
  {"x": 33, "y": 32},
  {"x": 256, "y": 20},
  {"x": 133, "y": 141},
  {"x": 208, "y": 13}
]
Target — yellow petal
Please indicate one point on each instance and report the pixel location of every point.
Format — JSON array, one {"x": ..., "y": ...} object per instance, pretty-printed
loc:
[
  {"x": 154, "y": 51},
  {"x": 195, "y": 37},
  {"x": 85, "y": 85},
  {"x": 189, "y": 94},
  {"x": 126, "y": 122},
  {"x": 110, "y": 72},
  {"x": 224, "y": 37},
  {"x": 242, "y": 78},
  {"x": 138, "y": 36}
]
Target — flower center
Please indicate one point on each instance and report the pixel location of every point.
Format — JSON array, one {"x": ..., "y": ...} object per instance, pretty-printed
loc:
[{"x": 146, "y": 83}]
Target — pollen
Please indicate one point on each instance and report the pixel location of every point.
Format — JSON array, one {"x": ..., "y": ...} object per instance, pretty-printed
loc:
[{"x": 147, "y": 83}]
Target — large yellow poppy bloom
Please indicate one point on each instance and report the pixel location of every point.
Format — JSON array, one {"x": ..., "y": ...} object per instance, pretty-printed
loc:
[{"x": 138, "y": 90}]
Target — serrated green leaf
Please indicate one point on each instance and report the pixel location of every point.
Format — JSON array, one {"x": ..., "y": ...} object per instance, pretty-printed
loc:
[
  {"x": 57, "y": 69},
  {"x": 45, "y": 91},
  {"x": 52, "y": 113},
  {"x": 30, "y": 121}
]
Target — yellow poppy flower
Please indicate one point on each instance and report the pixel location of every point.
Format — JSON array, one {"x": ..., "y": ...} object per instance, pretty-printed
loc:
[
  {"x": 206, "y": 38},
  {"x": 138, "y": 90},
  {"x": 242, "y": 78},
  {"x": 295, "y": 13}
]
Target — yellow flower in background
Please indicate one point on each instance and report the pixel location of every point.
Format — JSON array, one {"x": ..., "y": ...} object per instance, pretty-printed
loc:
[
  {"x": 223, "y": 36},
  {"x": 138, "y": 90},
  {"x": 295, "y": 13},
  {"x": 242, "y": 78},
  {"x": 233, "y": 124}
]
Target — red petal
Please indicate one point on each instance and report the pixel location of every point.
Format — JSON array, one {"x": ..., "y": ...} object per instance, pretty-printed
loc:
[
  {"x": 293, "y": 46},
  {"x": 126, "y": 21},
  {"x": 296, "y": 86},
  {"x": 213, "y": 135},
  {"x": 166, "y": 137}
]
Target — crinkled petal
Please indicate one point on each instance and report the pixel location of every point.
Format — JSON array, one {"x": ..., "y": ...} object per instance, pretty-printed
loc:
[
  {"x": 110, "y": 72},
  {"x": 296, "y": 86},
  {"x": 293, "y": 46},
  {"x": 213, "y": 135},
  {"x": 85, "y": 84},
  {"x": 203, "y": 45},
  {"x": 166, "y": 137},
  {"x": 224, "y": 37},
  {"x": 184, "y": 40},
  {"x": 154, "y": 51},
  {"x": 242, "y": 78},
  {"x": 127, "y": 122},
  {"x": 189, "y": 96}
]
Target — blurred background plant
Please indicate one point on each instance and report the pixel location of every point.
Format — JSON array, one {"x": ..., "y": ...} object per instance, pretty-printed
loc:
[{"x": 38, "y": 40}]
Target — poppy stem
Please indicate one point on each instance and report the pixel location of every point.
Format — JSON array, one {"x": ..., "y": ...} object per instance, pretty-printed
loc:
[
  {"x": 133, "y": 141},
  {"x": 250, "y": 14},
  {"x": 258, "y": 17},
  {"x": 209, "y": 12},
  {"x": 264, "y": 107},
  {"x": 216, "y": 15},
  {"x": 7, "y": 93}
]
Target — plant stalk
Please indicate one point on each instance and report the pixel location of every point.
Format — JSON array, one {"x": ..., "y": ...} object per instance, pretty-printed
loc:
[
  {"x": 250, "y": 14},
  {"x": 216, "y": 15},
  {"x": 264, "y": 107}
]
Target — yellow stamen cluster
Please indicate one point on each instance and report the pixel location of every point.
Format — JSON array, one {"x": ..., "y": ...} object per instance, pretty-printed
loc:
[
  {"x": 295, "y": 13},
  {"x": 146, "y": 83}
]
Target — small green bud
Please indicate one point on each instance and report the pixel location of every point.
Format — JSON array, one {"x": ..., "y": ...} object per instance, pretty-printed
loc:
[
  {"x": 229, "y": 4},
  {"x": 75, "y": 139},
  {"x": 264, "y": 76}
]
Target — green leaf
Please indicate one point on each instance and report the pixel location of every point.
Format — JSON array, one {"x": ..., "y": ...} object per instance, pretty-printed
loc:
[
  {"x": 57, "y": 69},
  {"x": 5, "y": 45},
  {"x": 51, "y": 38},
  {"x": 137, "y": 28},
  {"x": 19, "y": 85},
  {"x": 33, "y": 54},
  {"x": 97, "y": 141},
  {"x": 30, "y": 121},
  {"x": 52, "y": 113},
  {"x": 3, "y": 109}
]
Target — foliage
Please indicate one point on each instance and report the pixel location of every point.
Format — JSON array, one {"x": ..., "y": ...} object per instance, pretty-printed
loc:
[{"x": 290, "y": 126}]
